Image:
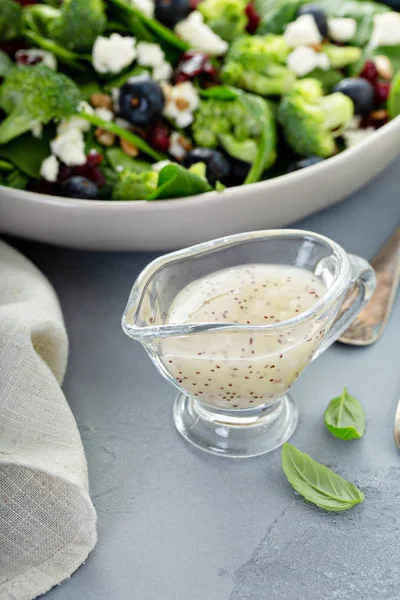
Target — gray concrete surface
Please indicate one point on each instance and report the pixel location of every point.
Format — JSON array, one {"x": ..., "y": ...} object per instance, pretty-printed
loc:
[{"x": 177, "y": 524}]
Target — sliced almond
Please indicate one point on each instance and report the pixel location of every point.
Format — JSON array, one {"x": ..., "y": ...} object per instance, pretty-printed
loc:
[
  {"x": 316, "y": 47},
  {"x": 182, "y": 104},
  {"x": 99, "y": 100},
  {"x": 104, "y": 137},
  {"x": 379, "y": 115},
  {"x": 128, "y": 148},
  {"x": 383, "y": 66}
]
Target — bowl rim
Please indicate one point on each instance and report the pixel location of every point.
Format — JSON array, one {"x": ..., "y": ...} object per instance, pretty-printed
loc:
[{"x": 225, "y": 195}]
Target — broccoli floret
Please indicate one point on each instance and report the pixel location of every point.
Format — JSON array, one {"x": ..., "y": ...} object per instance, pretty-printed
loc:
[
  {"x": 10, "y": 19},
  {"x": 275, "y": 81},
  {"x": 226, "y": 124},
  {"x": 135, "y": 186},
  {"x": 74, "y": 26},
  {"x": 342, "y": 56},
  {"x": 226, "y": 17},
  {"x": 311, "y": 121},
  {"x": 35, "y": 94},
  {"x": 258, "y": 52}
]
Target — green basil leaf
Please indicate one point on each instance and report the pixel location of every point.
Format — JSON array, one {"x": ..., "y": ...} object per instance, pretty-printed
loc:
[
  {"x": 393, "y": 104},
  {"x": 345, "y": 417},
  {"x": 175, "y": 181},
  {"x": 316, "y": 483},
  {"x": 26, "y": 153}
]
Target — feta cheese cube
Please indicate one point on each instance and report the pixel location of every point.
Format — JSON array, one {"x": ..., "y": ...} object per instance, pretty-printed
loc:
[
  {"x": 111, "y": 55},
  {"x": 302, "y": 32},
  {"x": 200, "y": 36},
  {"x": 182, "y": 100},
  {"x": 303, "y": 60},
  {"x": 46, "y": 58},
  {"x": 342, "y": 30},
  {"x": 145, "y": 6},
  {"x": 49, "y": 168},
  {"x": 69, "y": 147},
  {"x": 176, "y": 147},
  {"x": 386, "y": 31},
  {"x": 105, "y": 114},
  {"x": 352, "y": 137}
]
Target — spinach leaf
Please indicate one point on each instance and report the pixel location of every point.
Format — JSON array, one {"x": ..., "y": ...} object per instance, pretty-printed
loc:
[
  {"x": 26, "y": 153},
  {"x": 175, "y": 181},
  {"x": 266, "y": 154},
  {"x": 5, "y": 64},
  {"x": 16, "y": 179},
  {"x": 316, "y": 483},
  {"x": 394, "y": 97},
  {"x": 88, "y": 88},
  {"x": 221, "y": 92},
  {"x": 117, "y": 158},
  {"x": 124, "y": 134},
  {"x": 345, "y": 417},
  {"x": 276, "y": 15},
  {"x": 163, "y": 34},
  {"x": 328, "y": 78},
  {"x": 362, "y": 12},
  {"x": 5, "y": 166}
]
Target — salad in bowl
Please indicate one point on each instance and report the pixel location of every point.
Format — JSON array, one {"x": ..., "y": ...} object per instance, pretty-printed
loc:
[{"x": 161, "y": 99}]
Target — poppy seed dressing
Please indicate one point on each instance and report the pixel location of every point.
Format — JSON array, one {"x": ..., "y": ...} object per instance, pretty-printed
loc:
[{"x": 246, "y": 367}]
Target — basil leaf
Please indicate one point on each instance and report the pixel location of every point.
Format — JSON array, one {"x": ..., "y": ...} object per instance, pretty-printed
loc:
[
  {"x": 175, "y": 181},
  {"x": 316, "y": 483},
  {"x": 27, "y": 153},
  {"x": 345, "y": 417}
]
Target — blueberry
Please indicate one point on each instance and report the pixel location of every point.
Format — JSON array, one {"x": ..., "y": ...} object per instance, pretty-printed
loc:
[
  {"x": 239, "y": 170},
  {"x": 360, "y": 91},
  {"x": 141, "y": 101},
  {"x": 217, "y": 166},
  {"x": 170, "y": 12},
  {"x": 304, "y": 162},
  {"x": 392, "y": 3},
  {"x": 318, "y": 14},
  {"x": 80, "y": 187}
]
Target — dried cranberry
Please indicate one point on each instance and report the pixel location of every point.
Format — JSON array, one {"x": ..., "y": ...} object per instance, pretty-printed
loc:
[
  {"x": 369, "y": 71},
  {"x": 90, "y": 170},
  {"x": 26, "y": 2},
  {"x": 195, "y": 64},
  {"x": 24, "y": 58},
  {"x": 193, "y": 4},
  {"x": 159, "y": 138},
  {"x": 43, "y": 187},
  {"x": 11, "y": 47},
  {"x": 382, "y": 89},
  {"x": 64, "y": 172},
  {"x": 94, "y": 158},
  {"x": 253, "y": 18}
]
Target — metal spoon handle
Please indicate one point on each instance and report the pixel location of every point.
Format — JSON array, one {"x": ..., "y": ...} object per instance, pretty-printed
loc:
[{"x": 370, "y": 324}]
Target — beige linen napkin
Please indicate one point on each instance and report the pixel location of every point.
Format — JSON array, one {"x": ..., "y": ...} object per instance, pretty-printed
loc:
[{"x": 47, "y": 520}]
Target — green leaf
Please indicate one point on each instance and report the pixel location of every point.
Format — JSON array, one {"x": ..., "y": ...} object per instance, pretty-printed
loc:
[
  {"x": 117, "y": 159},
  {"x": 16, "y": 179},
  {"x": 71, "y": 59},
  {"x": 124, "y": 134},
  {"x": 393, "y": 104},
  {"x": 88, "y": 88},
  {"x": 26, "y": 153},
  {"x": 5, "y": 63},
  {"x": 345, "y": 417},
  {"x": 163, "y": 33},
  {"x": 5, "y": 166},
  {"x": 316, "y": 483},
  {"x": 362, "y": 12},
  {"x": 221, "y": 92},
  {"x": 177, "y": 182},
  {"x": 266, "y": 144},
  {"x": 328, "y": 78}
]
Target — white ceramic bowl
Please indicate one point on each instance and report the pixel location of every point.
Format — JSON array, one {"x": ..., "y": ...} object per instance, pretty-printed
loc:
[{"x": 172, "y": 224}]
